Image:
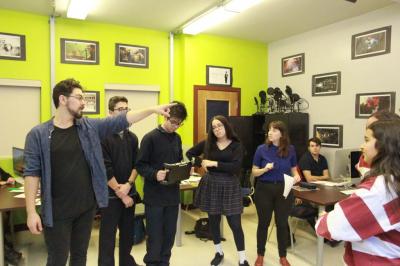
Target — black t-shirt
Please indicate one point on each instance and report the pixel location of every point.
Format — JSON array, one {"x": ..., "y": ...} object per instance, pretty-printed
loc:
[
  {"x": 307, "y": 163},
  {"x": 71, "y": 182}
]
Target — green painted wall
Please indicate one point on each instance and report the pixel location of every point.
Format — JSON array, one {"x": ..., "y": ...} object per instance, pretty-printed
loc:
[
  {"x": 37, "y": 64},
  {"x": 249, "y": 62},
  {"x": 192, "y": 53},
  {"x": 93, "y": 77}
]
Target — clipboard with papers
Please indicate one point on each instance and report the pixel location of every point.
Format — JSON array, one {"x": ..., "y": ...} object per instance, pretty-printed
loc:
[{"x": 177, "y": 172}]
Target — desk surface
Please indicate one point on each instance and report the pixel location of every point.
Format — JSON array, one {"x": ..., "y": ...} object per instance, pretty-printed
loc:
[
  {"x": 7, "y": 200},
  {"x": 323, "y": 196},
  {"x": 189, "y": 186}
]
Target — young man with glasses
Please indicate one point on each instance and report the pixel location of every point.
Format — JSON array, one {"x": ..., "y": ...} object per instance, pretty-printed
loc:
[
  {"x": 159, "y": 146},
  {"x": 65, "y": 155},
  {"x": 119, "y": 152}
]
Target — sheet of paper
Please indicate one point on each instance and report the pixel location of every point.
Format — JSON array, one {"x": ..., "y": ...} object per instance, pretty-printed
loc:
[
  {"x": 349, "y": 191},
  {"x": 330, "y": 183},
  {"x": 20, "y": 196},
  {"x": 289, "y": 181}
]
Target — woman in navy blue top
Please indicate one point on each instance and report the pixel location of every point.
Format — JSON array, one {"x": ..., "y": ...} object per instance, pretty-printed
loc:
[{"x": 271, "y": 161}]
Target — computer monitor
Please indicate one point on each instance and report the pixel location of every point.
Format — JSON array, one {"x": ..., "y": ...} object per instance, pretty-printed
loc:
[
  {"x": 18, "y": 161},
  {"x": 354, "y": 158}
]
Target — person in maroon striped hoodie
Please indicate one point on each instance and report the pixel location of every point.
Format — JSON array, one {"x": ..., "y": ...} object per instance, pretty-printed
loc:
[{"x": 369, "y": 220}]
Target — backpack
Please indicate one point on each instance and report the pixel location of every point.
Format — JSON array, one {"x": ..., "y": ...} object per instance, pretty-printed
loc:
[
  {"x": 139, "y": 232},
  {"x": 202, "y": 229}
]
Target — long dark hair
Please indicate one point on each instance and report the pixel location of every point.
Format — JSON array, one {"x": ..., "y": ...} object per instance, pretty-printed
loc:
[
  {"x": 387, "y": 160},
  {"x": 284, "y": 142},
  {"x": 212, "y": 139}
]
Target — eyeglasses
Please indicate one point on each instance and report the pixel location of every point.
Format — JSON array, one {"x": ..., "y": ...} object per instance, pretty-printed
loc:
[
  {"x": 78, "y": 97},
  {"x": 217, "y": 126},
  {"x": 122, "y": 109},
  {"x": 175, "y": 122}
]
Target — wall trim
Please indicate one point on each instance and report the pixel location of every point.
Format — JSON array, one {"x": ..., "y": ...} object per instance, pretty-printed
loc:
[
  {"x": 131, "y": 87},
  {"x": 21, "y": 83}
]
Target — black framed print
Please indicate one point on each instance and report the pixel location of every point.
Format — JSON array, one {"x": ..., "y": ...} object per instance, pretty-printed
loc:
[
  {"x": 129, "y": 55},
  {"x": 92, "y": 102},
  {"x": 293, "y": 65},
  {"x": 219, "y": 75},
  {"x": 79, "y": 52},
  {"x": 330, "y": 135},
  {"x": 326, "y": 84},
  {"x": 371, "y": 43},
  {"x": 369, "y": 103},
  {"x": 12, "y": 46}
]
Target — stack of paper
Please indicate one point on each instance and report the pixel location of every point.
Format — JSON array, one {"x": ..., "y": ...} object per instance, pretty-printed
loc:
[{"x": 331, "y": 184}]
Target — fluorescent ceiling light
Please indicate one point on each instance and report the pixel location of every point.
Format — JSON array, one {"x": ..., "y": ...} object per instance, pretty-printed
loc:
[
  {"x": 217, "y": 15},
  {"x": 240, "y": 5},
  {"x": 79, "y": 9}
]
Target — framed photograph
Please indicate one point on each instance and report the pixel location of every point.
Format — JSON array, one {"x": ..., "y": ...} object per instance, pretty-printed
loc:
[
  {"x": 369, "y": 103},
  {"x": 92, "y": 102},
  {"x": 12, "y": 46},
  {"x": 218, "y": 75},
  {"x": 326, "y": 84},
  {"x": 131, "y": 55},
  {"x": 79, "y": 52},
  {"x": 293, "y": 65},
  {"x": 371, "y": 43},
  {"x": 330, "y": 135}
]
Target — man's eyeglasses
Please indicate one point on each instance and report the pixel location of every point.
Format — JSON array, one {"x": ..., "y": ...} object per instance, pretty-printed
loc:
[
  {"x": 175, "y": 122},
  {"x": 122, "y": 109},
  {"x": 78, "y": 97}
]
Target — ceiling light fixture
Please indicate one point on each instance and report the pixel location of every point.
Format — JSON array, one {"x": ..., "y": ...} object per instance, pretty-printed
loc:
[
  {"x": 79, "y": 9},
  {"x": 217, "y": 15}
]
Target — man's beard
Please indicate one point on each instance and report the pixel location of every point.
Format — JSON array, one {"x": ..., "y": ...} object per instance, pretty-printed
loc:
[{"x": 75, "y": 114}]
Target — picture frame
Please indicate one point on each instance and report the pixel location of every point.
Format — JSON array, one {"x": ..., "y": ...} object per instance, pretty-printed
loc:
[
  {"x": 369, "y": 103},
  {"x": 371, "y": 43},
  {"x": 79, "y": 52},
  {"x": 92, "y": 102},
  {"x": 128, "y": 55},
  {"x": 12, "y": 46},
  {"x": 326, "y": 84},
  {"x": 219, "y": 75},
  {"x": 293, "y": 65},
  {"x": 330, "y": 135}
]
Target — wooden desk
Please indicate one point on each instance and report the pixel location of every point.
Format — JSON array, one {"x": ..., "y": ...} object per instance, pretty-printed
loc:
[
  {"x": 7, "y": 203},
  {"x": 322, "y": 197}
]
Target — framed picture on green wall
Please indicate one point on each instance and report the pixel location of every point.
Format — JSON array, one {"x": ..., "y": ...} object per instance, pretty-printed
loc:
[
  {"x": 12, "y": 46},
  {"x": 79, "y": 52},
  {"x": 218, "y": 75},
  {"x": 128, "y": 55},
  {"x": 92, "y": 102}
]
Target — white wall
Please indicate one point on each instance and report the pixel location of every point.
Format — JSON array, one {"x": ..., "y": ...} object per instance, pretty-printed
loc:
[{"x": 328, "y": 49}]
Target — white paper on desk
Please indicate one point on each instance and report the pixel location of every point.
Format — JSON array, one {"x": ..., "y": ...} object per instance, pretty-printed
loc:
[
  {"x": 289, "y": 181},
  {"x": 20, "y": 196}
]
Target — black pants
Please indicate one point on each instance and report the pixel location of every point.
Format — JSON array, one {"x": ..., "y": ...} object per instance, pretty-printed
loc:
[
  {"x": 235, "y": 224},
  {"x": 161, "y": 229},
  {"x": 116, "y": 215},
  {"x": 268, "y": 199},
  {"x": 70, "y": 235}
]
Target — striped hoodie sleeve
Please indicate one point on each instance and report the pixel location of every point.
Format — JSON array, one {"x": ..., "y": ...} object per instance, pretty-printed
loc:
[{"x": 370, "y": 211}]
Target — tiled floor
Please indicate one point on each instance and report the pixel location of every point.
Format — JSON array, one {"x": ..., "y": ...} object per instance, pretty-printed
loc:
[{"x": 196, "y": 252}]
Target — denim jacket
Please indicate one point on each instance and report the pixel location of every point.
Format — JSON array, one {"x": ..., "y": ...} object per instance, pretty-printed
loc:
[{"x": 90, "y": 132}]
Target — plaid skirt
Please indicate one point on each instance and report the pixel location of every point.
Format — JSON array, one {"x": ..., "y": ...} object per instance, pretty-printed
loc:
[{"x": 219, "y": 194}]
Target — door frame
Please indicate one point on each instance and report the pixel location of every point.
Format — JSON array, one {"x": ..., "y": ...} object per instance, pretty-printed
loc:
[{"x": 197, "y": 89}]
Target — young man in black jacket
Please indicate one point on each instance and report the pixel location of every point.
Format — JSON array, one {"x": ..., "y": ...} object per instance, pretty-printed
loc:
[
  {"x": 159, "y": 146},
  {"x": 119, "y": 152}
]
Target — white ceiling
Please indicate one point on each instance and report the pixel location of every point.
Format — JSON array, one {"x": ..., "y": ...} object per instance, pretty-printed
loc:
[{"x": 269, "y": 21}]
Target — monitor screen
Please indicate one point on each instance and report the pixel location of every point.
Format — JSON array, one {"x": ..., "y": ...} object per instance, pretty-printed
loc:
[
  {"x": 354, "y": 158},
  {"x": 18, "y": 161}
]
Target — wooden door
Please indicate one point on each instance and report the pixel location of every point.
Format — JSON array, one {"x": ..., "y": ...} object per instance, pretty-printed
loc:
[{"x": 210, "y": 101}]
